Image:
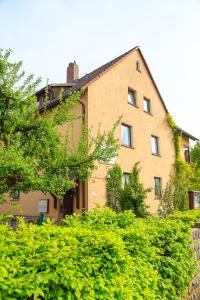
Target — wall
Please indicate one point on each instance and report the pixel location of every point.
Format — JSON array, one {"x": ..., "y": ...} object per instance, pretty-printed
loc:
[
  {"x": 28, "y": 205},
  {"x": 107, "y": 100}
]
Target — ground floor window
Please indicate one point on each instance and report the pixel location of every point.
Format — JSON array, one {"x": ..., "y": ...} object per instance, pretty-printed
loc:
[
  {"x": 157, "y": 186},
  {"x": 15, "y": 195}
]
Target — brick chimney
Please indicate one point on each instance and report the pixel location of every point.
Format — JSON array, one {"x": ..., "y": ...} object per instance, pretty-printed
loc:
[{"x": 72, "y": 72}]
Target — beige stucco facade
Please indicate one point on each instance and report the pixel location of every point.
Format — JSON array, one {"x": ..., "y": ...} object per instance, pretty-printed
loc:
[
  {"x": 105, "y": 100},
  {"x": 27, "y": 205}
]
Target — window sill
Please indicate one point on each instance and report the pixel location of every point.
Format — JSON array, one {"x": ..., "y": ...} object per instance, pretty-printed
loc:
[
  {"x": 148, "y": 113},
  {"x": 126, "y": 146},
  {"x": 135, "y": 105},
  {"x": 154, "y": 154}
]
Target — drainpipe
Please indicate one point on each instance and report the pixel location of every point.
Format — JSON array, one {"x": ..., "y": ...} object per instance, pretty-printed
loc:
[{"x": 83, "y": 111}]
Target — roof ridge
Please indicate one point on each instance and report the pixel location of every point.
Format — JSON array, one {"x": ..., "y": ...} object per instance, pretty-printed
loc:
[
  {"x": 88, "y": 77},
  {"x": 111, "y": 62}
]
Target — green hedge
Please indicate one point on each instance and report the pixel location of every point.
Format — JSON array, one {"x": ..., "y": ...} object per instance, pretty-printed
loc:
[
  {"x": 101, "y": 255},
  {"x": 189, "y": 216}
]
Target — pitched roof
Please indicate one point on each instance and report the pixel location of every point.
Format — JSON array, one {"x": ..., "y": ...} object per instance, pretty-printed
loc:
[
  {"x": 88, "y": 78},
  {"x": 69, "y": 85},
  {"x": 188, "y": 134},
  {"x": 83, "y": 81}
]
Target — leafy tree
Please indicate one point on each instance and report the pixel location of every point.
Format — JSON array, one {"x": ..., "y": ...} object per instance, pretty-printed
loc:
[
  {"x": 33, "y": 155},
  {"x": 114, "y": 188},
  {"x": 167, "y": 200},
  {"x": 182, "y": 184},
  {"x": 134, "y": 194},
  {"x": 195, "y": 154},
  {"x": 186, "y": 177}
]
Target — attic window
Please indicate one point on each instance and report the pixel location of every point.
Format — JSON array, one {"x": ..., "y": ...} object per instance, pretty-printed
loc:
[
  {"x": 147, "y": 105},
  {"x": 138, "y": 66},
  {"x": 132, "y": 97}
]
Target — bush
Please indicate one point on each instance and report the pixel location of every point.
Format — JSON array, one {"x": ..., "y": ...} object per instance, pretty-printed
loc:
[
  {"x": 134, "y": 194},
  {"x": 114, "y": 188},
  {"x": 174, "y": 256},
  {"x": 167, "y": 204},
  {"x": 100, "y": 255},
  {"x": 98, "y": 219},
  {"x": 189, "y": 216},
  {"x": 53, "y": 262}
]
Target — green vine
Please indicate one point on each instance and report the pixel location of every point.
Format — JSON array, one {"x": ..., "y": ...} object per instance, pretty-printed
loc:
[
  {"x": 175, "y": 196},
  {"x": 179, "y": 163}
]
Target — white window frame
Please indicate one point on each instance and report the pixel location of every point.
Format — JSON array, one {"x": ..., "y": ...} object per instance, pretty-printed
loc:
[
  {"x": 130, "y": 145},
  {"x": 147, "y": 108},
  {"x": 134, "y": 93},
  {"x": 155, "y": 146}
]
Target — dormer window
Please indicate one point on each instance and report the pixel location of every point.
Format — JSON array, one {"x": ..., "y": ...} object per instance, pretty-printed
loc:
[{"x": 138, "y": 68}]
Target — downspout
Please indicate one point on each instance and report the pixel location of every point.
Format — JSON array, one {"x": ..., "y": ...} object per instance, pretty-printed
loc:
[{"x": 83, "y": 111}]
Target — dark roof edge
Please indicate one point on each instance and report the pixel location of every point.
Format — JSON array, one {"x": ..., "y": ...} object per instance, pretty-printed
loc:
[
  {"x": 109, "y": 65},
  {"x": 54, "y": 85},
  {"x": 188, "y": 134},
  {"x": 94, "y": 75},
  {"x": 157, "y": 90},
  {"x": 115, "y": 61}
]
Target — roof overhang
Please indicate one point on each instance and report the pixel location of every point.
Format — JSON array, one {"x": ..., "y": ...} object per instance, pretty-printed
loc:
[{"x": 188, "y": 134}]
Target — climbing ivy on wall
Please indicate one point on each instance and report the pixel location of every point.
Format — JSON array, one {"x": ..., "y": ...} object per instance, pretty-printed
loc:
[
  {"x": 175, "y": 195},
  {"x": 179, "y": 163}
]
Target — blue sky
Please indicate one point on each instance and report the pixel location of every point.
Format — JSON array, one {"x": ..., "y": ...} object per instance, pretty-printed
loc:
[{"x": 47, "y": 34}]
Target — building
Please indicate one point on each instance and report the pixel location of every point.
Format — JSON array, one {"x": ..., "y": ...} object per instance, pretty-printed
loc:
[{"x": 124, "y": 86}]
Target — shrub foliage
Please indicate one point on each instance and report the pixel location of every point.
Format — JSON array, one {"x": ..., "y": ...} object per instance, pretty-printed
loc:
[
  {"x": 134, "y": 194},
  {"x": 100, "y": 255},
  {"x": 185, "y": 178},
  {"x": 129, "y": 197},
  {"x": 114, "y": 188}
]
